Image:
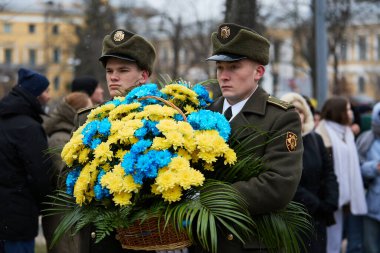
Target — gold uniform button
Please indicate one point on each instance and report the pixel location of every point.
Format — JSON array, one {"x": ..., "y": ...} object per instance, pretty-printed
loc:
[
  {"x": 93, "y": 235},
  {"x": 230, "y": 237}
]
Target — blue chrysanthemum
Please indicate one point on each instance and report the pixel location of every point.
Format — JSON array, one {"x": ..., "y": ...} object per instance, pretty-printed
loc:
[
  {"x": 104, "y": 127},
  {"x": 215, "y": 121},
  {"x": 100, "y": 191},
  {"x": 203, "y": 95},
  {"x": 150, "y": 89},
  {"x": 71, "y": 179}
]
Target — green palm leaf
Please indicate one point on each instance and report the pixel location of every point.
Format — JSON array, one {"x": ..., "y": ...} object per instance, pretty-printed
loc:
[
  {"x": 217, "y": 206},
  {"x": 282, "y": 229}
]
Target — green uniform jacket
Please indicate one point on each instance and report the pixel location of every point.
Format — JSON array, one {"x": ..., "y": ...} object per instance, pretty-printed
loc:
[{"x": 273, "y": 189}]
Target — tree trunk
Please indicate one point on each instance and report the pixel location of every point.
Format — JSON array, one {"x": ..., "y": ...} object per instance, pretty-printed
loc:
[{"x": 242, "y": 12}]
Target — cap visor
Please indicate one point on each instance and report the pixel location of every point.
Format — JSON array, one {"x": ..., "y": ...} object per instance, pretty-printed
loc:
[
  {"x": 225, "y": 57},
  {"x": 122, "y": 57}
]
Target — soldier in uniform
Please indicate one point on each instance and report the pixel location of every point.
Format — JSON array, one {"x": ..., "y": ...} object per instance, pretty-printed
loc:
[
  {"x": 240, "y": 55},
  {"x": 128, "y": 59}
]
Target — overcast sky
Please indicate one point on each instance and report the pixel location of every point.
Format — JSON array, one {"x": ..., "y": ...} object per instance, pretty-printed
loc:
[{"x": 206, "y": 9}]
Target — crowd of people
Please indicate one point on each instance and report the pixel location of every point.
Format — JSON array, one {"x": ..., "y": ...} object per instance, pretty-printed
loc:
[{"x": 317, "y": 161}]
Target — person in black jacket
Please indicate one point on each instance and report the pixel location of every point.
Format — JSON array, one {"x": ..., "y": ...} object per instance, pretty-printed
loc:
[
  {"x": 24, "y": 167},
  {"x": 318, "y": 188}
]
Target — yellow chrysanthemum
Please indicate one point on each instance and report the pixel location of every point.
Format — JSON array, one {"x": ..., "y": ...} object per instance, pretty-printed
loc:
[
  {"x": 156, "y": 112},
  {"x": 230, "y": 157},
  {"x": 160, "y": 143},
  {"x": 116, "y": 181},
  {"x": 165, "y": 180},
  {"x": 209, "y": 167},
  {"x": 71, "y": 150},
  {"x": 175, "y": 138},
  {"x": 123, "y": 131},
  {"x": 181, "y": 93},
  {"x": 190, "y": 177},
  {"x": 123, "y": 110},
  {"x": 178, "y": 163},
  {"x": 103, "y": 152},
  {"x": 83, "y": 155},
  {"x": 120, "y": 153},
  {"x": 167, "y": 125},
  {"x": 172, "y": 195},
  {"x": 83, "y": 191},
  {"x": 100, "y": 112},
  {"x": 122, "y": 199},
  {"x": 189, "y": 109},
  {"x": 184, "y": 153}
]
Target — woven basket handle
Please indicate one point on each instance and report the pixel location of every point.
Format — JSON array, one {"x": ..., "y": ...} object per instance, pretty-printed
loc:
[{"x": 167, "y": 103}]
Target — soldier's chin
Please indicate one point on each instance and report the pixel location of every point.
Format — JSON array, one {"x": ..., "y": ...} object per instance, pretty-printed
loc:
[{"x": 116, "y": 93}]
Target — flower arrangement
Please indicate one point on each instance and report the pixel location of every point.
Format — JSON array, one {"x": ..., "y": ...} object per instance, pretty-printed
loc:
[
  {"x": 160, "y": 153},
  {"x": 131, "y": 141}
]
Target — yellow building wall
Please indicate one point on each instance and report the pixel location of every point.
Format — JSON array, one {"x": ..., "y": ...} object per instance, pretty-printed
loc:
[{"x": 44, "y": 41}]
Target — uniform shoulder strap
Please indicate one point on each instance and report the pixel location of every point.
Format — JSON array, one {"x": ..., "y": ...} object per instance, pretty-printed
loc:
[
  {"x": 80, "y": 111},
  {"x": 279, "y": 103}
]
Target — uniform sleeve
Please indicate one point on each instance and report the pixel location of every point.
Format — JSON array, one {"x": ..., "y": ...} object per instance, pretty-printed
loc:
[
  {"x": 274, "y": 188},
  {"x": 33, "y": 151}
]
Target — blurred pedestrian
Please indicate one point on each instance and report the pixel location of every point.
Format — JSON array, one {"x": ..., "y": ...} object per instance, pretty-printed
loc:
[
  {"x": 58, "y": 127},
  {"x": 339, "y": 140},
  {"x": 24, "y": 178},
  {"x": 91, "y": 86},
  {"x": 318, "y": 188},
  {"x": 368, "y": 144}
]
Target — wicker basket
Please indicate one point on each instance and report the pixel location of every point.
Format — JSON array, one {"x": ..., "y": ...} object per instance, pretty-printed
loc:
[{"x": 152, "y": 235}]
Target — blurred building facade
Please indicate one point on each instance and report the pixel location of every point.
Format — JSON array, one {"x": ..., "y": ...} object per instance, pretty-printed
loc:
[
  {"x": 44, "y": 38},
  {"x": 41, "y": 38},
  {"x": 358, "y": 57}
]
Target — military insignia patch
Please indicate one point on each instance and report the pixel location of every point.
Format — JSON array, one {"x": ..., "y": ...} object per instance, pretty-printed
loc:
[
  {"x": 118, "y": 36},
  {"x": 225, "y": 32},
  {"x": 291, "y": 141}
]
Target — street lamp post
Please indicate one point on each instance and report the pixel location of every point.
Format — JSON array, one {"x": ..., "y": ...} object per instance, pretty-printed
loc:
[{"x": 321, "y": 52}]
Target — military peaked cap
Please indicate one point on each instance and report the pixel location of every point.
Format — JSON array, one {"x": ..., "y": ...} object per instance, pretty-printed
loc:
[
  {"x": 233, "y": 42},
  {"x": 128, "y": 46}
]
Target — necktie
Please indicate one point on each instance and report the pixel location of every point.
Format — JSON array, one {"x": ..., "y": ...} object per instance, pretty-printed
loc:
[{"x": 228, "y": 113}]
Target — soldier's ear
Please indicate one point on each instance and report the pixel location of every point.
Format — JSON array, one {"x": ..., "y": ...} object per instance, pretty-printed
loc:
[
  {"x": 260, "y": 70},
  {"x": 144, "y": 76}
]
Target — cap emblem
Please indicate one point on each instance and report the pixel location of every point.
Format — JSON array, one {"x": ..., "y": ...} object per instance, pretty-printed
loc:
[
  {"x": 225, "y": 32},
  {"x": 118, "y": 36}
]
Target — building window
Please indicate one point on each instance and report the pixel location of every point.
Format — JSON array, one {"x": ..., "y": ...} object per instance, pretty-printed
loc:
[
  {"x": 32, "y": 28},
  {"x": 362, "y": 46},
  {"x": 56, "y": 55},
  {"x": 55, "y": 29},
  {"x": 361, "y": 85},
  {"x": 7, "y": 27},
  {"x": 56, "y": 83},
  {"x": 32, "y": 57},
  {"x": 343, "y": 50},
  {"x": 8, "y": 56}
]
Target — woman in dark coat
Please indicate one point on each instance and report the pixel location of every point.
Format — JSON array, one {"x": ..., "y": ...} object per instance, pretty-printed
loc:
[
  {"x": 318, "y": 188},
  {"x": 24, "y": 167}
]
